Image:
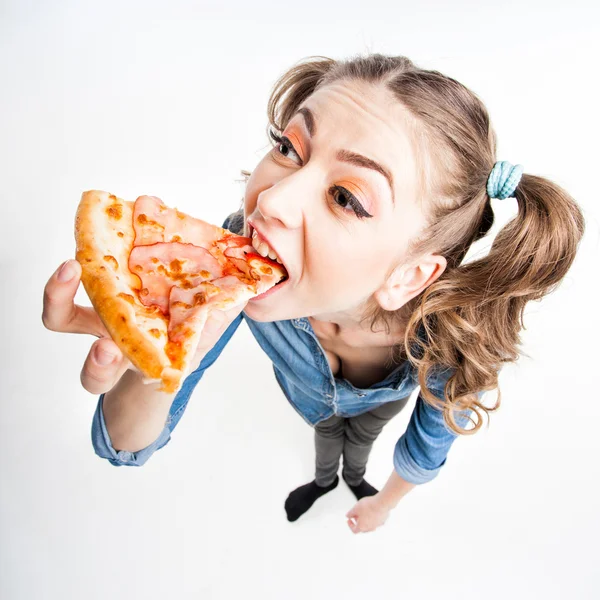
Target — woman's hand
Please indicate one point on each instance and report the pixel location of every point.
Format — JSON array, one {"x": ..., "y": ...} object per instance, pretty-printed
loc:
[
  {"x": 367, "y": 514},
  {"x": 372, "y": 512},
  {"x": 105, "y": 364}
]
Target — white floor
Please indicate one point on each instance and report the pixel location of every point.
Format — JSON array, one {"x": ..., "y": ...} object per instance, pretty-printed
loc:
[{"x": 513, "y": 514}]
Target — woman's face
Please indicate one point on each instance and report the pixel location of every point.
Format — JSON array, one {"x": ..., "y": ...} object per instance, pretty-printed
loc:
[{"x": 335, "y": 254}]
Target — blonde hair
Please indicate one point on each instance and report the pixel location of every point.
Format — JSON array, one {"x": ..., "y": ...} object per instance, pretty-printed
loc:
[{"x": 470, "y": 318}]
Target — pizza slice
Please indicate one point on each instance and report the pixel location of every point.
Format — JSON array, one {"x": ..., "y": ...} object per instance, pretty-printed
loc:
[{"x": 153, "y": 274}]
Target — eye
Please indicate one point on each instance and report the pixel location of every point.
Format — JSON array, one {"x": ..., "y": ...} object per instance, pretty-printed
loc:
[
  {"x": 283, "y": 143},
  {"x": 343, "y": 198}
]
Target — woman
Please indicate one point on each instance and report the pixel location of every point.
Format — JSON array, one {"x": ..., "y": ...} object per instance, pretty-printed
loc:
[{"x": 379, "y": 181}]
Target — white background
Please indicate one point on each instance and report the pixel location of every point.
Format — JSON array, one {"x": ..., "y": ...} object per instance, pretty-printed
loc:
[{"x": 141, "y": 98}]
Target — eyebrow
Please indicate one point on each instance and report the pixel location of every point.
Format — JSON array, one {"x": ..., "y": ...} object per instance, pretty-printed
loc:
[{"x": 346, "y": 155}]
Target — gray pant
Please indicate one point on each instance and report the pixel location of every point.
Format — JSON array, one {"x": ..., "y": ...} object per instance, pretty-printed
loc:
[{"x": 353, "y": 437}]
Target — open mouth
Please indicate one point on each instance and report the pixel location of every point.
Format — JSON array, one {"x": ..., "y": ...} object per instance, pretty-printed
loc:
[
  {"x": 262, "y": 247},
  {"x": 277, "y": 258}
]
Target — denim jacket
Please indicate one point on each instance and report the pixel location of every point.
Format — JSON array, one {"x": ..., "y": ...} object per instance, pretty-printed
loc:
[{"x": 305, "y": 377}]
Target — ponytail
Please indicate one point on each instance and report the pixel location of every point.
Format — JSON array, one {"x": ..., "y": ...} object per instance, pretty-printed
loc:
[{"x": 471, "y": 317}]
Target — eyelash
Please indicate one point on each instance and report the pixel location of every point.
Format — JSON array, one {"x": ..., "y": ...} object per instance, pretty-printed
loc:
[{"x": 360, "y": 212}]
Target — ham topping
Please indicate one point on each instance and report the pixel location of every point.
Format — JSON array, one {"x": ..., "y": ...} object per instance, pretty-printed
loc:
[
  {"x": 161, "y": 266},
  {"x": 154, "y": 222},
  {"x": 187, "y": 266}
]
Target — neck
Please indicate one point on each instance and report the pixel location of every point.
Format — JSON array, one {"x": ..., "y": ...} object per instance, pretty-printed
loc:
[
  {"x": 338, "y": 321},
  {"x": 345, "y": 323}
]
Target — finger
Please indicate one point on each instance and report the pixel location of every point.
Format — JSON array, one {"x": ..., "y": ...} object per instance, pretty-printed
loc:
[
  {"x": 235, "y": 310},
  {"x": 144, "y": 196},
  {"x": 60, "y": 313},
  {"x": 103, "y": 367},
  {"x": 353, "y": 526},
  {"x": 59, "y": 309},
  {"x": 216, "y": 324},
  {"x": 226, "y": 316}
]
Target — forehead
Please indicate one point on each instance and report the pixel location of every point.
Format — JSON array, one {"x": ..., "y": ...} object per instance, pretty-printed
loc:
[{"x": 367, "y": 119}]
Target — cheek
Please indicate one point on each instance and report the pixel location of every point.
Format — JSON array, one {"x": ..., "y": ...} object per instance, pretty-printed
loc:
[{"x": 344, "y": 266}]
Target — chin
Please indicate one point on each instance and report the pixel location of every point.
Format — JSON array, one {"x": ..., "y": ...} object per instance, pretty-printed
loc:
[
  {"x": 266, "y": 314},
  {"x": 263, "y": 315}
]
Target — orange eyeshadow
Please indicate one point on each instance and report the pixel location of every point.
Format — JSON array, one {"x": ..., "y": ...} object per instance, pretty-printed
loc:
[
  {"x": 295, "y": 139},
  {"x": 362, "y": 195}
]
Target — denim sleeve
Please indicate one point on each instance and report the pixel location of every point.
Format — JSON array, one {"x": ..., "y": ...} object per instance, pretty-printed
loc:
[{"x": 422, "y": 450}]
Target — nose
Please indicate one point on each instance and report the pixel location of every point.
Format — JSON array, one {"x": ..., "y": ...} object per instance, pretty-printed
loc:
[{"x": 285, "y": 200}]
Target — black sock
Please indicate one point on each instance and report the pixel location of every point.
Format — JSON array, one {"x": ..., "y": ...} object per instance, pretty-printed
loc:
[
  {"x": 302, "y": 498},
  {"x": 364, "y": 488}
]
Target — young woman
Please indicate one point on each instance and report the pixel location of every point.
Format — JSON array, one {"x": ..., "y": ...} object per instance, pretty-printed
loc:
[{"x": 379, "y": 181}]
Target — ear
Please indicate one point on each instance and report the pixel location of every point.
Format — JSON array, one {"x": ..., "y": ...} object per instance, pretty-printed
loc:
[{"x": 408, "y": 281}]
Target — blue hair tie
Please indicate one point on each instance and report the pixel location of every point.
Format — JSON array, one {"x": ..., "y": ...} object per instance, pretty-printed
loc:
[{"x": 503, "y": 180}]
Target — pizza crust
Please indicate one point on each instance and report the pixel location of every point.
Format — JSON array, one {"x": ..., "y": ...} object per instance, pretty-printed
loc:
[{"x": 104, "y": 236}]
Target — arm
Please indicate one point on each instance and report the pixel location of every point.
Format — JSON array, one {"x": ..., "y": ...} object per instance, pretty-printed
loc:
[
  {"x": 134, "y": 420},
  {"x": 135, "y": 413},
  {"x": 418, "y": 457},
  {"x": 394, "y": 490}
]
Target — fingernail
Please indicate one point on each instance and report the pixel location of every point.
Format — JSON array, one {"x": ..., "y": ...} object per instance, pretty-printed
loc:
[
  {"x": 103, "y": 358},
  {"x": 67, "y": 272}
]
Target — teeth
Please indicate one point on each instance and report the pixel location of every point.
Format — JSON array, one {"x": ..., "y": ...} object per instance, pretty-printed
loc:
[{"x": 263, "y": 248}]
